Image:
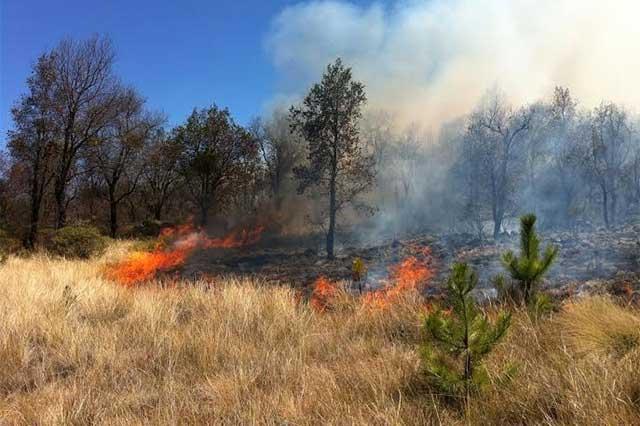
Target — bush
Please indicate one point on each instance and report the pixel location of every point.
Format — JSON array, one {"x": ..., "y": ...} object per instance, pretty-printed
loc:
[{"x": 77, "y": 242}]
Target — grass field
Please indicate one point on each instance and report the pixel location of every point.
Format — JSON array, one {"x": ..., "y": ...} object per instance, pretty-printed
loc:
[{"x": 78, "y": 349}]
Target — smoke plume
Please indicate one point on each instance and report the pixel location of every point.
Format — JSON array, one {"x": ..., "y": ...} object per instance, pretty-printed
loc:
[{"x": 430, "y": 61}]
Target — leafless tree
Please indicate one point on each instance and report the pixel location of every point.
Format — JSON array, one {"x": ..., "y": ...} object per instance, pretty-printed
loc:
[
  {"x": 498, "y": 131},
  {"x": 608, "y": 151},
  {"x": 85, "y": 100},
  {"x": 116, "y": 154},
  {"x": 280, "y": 150}
]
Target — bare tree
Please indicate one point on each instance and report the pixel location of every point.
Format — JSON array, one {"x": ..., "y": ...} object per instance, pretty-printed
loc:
[
  {"x": 337, "y": 164},
  {"x": 160, "y": 174},
  {"x": 117, "y": 153},
  {"x": 498, "y": 131},
  {"x": 609, "y": 147},
  {"x": 86, "y": 95},
  {"x": 280, "y": 151}
]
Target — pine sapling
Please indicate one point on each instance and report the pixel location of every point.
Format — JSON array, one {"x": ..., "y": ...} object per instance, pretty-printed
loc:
[
  {"x": 461, "y": 337},
  {"x": 529, "y": 268}
]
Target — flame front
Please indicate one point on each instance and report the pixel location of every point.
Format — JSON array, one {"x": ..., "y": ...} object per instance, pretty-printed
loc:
[
  {"x": 406, "y": 276},
  {"x": 324, "y": 291},
  {"x": 142, "y": 266}
]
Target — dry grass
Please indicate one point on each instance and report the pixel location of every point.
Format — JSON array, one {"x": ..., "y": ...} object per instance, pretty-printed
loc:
[{"x": 244, "y": 353}]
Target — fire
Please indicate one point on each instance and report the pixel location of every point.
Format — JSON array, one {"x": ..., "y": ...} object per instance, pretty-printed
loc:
[
  {"x": 237, "y": 238},
  {"x": 143, "y": 266},
  {"x": 323, "y": 293},
  {"x": 405, "y": 276}
]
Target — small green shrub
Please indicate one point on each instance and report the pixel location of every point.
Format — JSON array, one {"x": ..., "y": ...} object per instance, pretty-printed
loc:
[
  {"x": 461, "y": 337},
  {"x": 530, "y": 266},
  {"x": 77, "y": 242}
]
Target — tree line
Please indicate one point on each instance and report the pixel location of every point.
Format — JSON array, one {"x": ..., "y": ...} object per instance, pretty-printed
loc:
[{"x": 85, "y": 148}]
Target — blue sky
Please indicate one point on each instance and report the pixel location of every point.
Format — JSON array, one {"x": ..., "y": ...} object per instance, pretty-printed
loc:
[{"x": 179, "y": 54}]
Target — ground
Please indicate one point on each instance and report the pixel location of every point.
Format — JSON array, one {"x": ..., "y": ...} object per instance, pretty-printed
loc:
[
  {"x": 589, "y": 261},
  {"x": 77, "y": 348}
]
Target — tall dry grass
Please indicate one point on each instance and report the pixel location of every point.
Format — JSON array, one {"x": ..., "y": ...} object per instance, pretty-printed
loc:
[{"x": 77, "y": 349}]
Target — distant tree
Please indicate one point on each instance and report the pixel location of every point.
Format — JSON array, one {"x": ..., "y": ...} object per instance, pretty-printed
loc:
[
  {"x": 464, "y": 333},
  {"x": 497, "y": 132},
  {"x": 607, "y": 154},
  {"x": 85, "y": 96},
  {"x": 280, "y": 152},
  {"x": 563, "y": 180},
  {"x": 337, "y": 164},
  {"x": 160, "y": 174},
  {"x": 117, "y": 152},
  {"x": 215, "y": 152},
  {"x": 33, "y": 140},
  {"x": 529, "y": 268}
]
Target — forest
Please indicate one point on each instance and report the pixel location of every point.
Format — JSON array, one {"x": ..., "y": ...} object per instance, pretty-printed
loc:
[{"x": 85, "y": 149}]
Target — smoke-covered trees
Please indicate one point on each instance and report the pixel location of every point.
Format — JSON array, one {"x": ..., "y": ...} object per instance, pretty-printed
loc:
[
  {"x": 337, "y": 163},
  {"x": 607, "y": 154},
  {"x": 215, "y": 153},
  {"x": 496, "y": 133},
  {"x": 280, "y": 152}
]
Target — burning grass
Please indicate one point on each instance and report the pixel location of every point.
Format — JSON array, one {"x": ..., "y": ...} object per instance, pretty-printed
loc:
[
  {"x": 172, "y": 250},
  {"x": 77, "y": 349}
]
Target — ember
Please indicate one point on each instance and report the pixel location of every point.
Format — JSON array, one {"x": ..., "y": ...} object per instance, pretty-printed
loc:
[{"x": 143, "y": 266}]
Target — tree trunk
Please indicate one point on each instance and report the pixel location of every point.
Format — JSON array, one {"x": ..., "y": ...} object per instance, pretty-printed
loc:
[
  {"x": 614, "y": 206},
  {"x": 605, "y": 207},
  {"x": 61, "y": 206},
  {"x": 113, "y": 217},
  {"x": 332, "y": 218},
  {"x": 157, "y": 212},
  {"x": 32, "y": 237}
]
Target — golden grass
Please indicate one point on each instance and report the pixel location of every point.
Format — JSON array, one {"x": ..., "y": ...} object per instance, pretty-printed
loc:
[{"x": 77, "y": 349}]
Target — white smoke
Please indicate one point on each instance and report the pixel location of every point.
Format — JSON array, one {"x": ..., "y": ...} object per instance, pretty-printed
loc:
[{"x": 431, "y": 61}]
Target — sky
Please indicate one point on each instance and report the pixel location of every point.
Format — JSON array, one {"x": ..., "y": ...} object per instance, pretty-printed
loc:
[
  {"x": 179, "y": 54},
  {"x": 425, "y": 61}
]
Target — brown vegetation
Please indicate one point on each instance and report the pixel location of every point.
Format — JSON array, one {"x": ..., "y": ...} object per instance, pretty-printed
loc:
[{"x": 78, "y": 349}]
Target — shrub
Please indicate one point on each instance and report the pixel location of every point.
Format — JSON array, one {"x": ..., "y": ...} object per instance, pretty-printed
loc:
[
  {"x": 461, "y": 337},
  {"x": 77, "y": 242},
  {"x": 529, "y": 268}
]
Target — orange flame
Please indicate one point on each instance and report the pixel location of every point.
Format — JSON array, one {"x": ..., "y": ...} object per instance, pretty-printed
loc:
[
  {"x": 324, "y": 291},
  {"x": 406, "y": 276},
  {"x": 143, "y": 266}
]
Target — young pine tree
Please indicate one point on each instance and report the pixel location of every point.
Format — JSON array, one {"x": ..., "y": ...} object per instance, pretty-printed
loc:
[
  {"x": 528, "y": 268},
  {"x": 461, "y": 337}
]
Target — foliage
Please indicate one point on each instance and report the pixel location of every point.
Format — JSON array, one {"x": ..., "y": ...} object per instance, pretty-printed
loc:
[
  {"x": 529, "y": 268},
  {"x": 462, "y": 335},
  {"x": 337, "y": 164},
  {"x": 216, "y": 160},
  {"x": 80, "y": 242}
]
